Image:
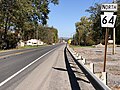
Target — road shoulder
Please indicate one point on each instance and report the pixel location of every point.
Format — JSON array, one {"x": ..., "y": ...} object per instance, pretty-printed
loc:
[{"x": 50, "y": 75}]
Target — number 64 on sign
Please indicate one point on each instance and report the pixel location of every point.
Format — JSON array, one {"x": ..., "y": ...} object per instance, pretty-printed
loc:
[{"x": 108, "y": 19}]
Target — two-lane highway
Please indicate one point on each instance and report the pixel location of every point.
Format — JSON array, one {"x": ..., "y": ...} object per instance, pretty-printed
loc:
[{"x": 14, "y": 62}]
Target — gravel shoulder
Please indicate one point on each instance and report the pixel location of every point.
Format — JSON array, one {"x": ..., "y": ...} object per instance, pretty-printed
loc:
[{"x": 96, "y": 55}]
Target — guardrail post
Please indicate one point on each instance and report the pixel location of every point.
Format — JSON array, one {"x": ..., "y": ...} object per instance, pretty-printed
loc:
[
  {"x": 84, "y": 61},
  {"x": 104, "y": 77},
  {"x": 92, "y": 67},
  {"x": 78, "y": 57},
  {"x": 77, "y": 54}
]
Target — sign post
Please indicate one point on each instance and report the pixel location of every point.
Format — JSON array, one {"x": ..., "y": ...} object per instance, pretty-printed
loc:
[
  {"x": 106, "y": 42},
  {"x": 107, "y": 21},
  {"x": 113, "y": 52}
]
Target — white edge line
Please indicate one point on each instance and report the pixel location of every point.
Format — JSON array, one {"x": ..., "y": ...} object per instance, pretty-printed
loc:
[{"x": 8, "y": 79}]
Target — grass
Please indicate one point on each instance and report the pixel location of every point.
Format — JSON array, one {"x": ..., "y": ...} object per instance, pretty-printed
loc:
[
  {"x": 6, "y": 50},
  {"x": 73, "y": 46},
  {"x": 25, "y": 47}
]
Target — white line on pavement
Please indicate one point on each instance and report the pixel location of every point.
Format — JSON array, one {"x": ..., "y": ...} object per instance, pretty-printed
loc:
[{"x": 8, "y": 79}]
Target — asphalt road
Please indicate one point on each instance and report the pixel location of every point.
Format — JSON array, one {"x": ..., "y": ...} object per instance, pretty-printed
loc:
[{"x": 13, "y": 61}]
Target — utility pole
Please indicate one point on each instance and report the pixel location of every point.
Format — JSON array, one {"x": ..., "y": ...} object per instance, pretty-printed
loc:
[{"x": 113, "y": 51}]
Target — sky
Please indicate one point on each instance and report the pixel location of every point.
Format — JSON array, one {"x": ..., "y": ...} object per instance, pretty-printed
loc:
[{"x": 64, "y": 16}]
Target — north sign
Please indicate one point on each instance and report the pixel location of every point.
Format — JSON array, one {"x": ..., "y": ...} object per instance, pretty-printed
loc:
[{"x": 109, "y": 7}]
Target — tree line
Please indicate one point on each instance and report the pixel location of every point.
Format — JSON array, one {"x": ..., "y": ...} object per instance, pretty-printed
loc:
[
  {"x": 89, "y": 31},
  {"x": 23, "y": 20}
]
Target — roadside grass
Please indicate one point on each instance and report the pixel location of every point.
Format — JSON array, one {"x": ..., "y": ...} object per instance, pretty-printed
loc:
[
  {"x": 1, "y": 50},
  {"x": 25, "y": 47},
  {"x": 78, "y": 46},
  {"x": 6, "y": 50}
]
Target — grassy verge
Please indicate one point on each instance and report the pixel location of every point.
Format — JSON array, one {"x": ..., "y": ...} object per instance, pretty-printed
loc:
[
  {"x": 25, "y": 47},
  {"x": 73, "y": 46}
]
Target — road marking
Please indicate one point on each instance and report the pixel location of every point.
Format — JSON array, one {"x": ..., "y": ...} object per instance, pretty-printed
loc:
[{"x": 8, "y": 79}]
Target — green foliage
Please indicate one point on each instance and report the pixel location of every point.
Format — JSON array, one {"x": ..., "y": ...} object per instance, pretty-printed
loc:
[
  {"x": 93, "y": 27},
  {"x": 83, "y": 32},
  {"x": 22, "y": 17},
  {"x": 48, "y": 35},
  {"x": 95, "y": 18}
]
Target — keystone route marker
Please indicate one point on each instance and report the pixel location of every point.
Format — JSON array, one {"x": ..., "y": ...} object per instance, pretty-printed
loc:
[{"x": 108, "y": 19}]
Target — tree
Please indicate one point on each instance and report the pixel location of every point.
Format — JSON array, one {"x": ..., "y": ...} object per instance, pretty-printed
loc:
[
  {"x": 95, "y": 17},
  {"x": 23, "y": 16},
  {"x": 83, "y": 31},
  {"x": 14, "y": 14},
  {"x": 41, "y": 10},
  {"x": 47, "y": 34}
]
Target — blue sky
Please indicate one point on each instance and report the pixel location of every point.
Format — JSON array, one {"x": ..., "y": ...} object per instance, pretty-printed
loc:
[{"x": 67, "y": 13}]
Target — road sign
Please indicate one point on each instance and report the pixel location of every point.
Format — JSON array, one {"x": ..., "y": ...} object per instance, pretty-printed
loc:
[
  {"x": 69, "y": 41},
  {"x": 109, "y": 7},
  {"x": 108, "y": 19}
]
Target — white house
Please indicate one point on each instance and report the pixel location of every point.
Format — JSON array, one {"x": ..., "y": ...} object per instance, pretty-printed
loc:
[
  {"x": 21, "y": 44},
  {"x": 33, "y": 42}
]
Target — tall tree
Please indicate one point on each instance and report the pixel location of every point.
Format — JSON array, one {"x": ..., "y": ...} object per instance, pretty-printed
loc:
[
  {"x": 95, "y": 17},
  {"x": 83, "y": 31},
  {"x": 47, "y": 34}
]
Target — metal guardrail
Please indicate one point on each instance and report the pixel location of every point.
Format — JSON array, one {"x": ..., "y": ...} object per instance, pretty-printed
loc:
[{"x": 96, "y": 82}]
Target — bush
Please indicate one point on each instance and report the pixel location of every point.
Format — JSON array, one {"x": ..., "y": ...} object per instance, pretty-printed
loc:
[{"x": 90, "y": 42}]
